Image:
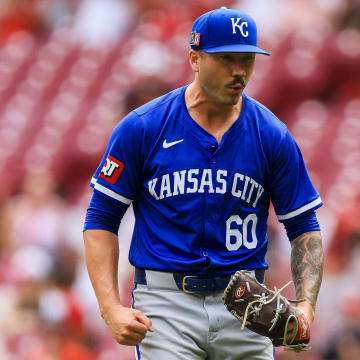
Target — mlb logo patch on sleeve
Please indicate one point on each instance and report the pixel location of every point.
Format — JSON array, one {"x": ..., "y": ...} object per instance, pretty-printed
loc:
[{"x": 111, "y": 169}]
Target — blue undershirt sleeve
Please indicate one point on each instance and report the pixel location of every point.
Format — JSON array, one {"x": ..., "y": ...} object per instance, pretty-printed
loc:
[
  {"x": 301, "y": 224},
  {"x": 104, "y": 213}
]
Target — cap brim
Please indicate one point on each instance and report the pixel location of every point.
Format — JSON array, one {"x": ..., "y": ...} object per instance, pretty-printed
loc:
[{"x": 238, "y": 48}]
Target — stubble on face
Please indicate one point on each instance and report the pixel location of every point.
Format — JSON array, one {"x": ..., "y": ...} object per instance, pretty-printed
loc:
[
  {"x": 216, "y": 90},
  {"x": 217, "y": 82}
]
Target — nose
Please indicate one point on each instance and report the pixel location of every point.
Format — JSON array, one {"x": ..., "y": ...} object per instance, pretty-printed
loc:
[{"x": 238, "y": 69}]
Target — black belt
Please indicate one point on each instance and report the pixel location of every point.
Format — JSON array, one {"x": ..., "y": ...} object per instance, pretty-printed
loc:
[{"x": 195, "y": 284}]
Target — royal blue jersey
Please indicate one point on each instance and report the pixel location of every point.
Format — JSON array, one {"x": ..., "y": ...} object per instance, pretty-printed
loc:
[{"x": 201, "y": 206}]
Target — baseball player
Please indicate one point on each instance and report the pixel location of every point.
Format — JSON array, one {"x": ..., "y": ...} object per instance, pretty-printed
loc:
[{"x": 200, "y": 166}]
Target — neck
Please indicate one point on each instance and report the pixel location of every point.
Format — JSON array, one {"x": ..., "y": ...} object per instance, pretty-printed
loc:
[
  {"x": 215, "y": 118},
  {"x": 203, "y": 109}
]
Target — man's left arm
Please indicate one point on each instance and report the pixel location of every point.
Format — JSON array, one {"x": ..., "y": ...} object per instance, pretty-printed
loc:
[{"x": 307, "y": 270}]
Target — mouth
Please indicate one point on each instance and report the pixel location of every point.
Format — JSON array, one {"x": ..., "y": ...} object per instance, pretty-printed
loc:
[{"x": 235, "y": 89}]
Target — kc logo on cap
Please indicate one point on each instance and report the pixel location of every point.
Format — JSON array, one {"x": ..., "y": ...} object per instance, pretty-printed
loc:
[
  {"x": 240, "y": 27},
  {"x": 225, "y": 30}
]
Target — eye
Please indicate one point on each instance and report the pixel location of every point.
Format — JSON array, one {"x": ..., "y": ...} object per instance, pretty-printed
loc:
[
  {"x": 249, "y": 58},
  {"x": 226, "y": 57}
]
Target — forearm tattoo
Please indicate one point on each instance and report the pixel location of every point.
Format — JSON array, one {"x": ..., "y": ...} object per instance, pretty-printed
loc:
[{"x": 307, "y": 265}]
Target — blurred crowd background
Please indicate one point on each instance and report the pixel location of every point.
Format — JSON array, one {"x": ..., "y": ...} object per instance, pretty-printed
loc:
[{"x": 69, "y": 71}]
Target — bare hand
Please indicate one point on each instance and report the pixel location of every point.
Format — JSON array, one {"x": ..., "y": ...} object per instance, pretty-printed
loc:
[{"x": 128, "y": 326}]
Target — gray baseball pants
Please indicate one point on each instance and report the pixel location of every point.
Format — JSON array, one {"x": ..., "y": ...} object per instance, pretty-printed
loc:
[{"x": 192, "y": 326}]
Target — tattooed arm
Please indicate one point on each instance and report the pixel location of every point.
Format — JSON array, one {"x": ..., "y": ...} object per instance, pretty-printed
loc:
[{"x": 307, "y": 270}]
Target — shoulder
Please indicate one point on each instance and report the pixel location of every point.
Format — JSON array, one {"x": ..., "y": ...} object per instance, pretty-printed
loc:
[
  {"x": 151, "y": 113},
  {"x": 267, "y": 123},
  {"x": 146, "y": 120},
  {"x": 274, "y": 136},
  {"x": 158, "y": 104}
]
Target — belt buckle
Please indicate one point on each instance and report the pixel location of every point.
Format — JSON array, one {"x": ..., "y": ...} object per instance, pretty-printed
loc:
[{"x": 184, "y": 284}]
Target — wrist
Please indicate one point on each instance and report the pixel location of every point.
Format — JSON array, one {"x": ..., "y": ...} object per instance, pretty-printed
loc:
[
  {"x": 308, "y": 310},
  {"x": 105, "y": 309}
]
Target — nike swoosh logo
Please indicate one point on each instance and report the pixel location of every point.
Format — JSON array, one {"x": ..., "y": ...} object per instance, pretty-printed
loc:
[{"x": 167, "y": 145}]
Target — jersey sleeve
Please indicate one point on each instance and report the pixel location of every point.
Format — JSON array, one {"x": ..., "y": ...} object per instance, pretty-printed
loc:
[
  {"x": 118, "y": 175},
  {"x": 292, "y": 192}
]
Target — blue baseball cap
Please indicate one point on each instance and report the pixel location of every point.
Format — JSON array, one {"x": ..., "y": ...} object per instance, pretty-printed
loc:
[{"x": 225, "y": 30}]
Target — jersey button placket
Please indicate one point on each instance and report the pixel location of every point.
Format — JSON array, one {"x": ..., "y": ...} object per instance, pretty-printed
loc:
[
  {"x": 212, "y": 150},
  {"x": 209, "y": 218}
]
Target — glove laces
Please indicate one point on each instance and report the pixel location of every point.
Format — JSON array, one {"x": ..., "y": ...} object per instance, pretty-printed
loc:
[{"x": 254, "y": 307}]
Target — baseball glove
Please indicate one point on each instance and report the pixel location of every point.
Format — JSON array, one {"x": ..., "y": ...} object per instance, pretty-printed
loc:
[{"x": 266, "y": 312}]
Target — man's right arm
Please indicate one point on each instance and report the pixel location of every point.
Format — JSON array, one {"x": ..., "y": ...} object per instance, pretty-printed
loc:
[{"x": 128, "y": 326}]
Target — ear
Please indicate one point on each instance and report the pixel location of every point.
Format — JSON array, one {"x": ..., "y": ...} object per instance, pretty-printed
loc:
[{"x": 194, "y": 58}]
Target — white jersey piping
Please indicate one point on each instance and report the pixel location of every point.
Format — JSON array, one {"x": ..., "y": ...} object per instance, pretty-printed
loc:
[{"x": 300, "y": 210}]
